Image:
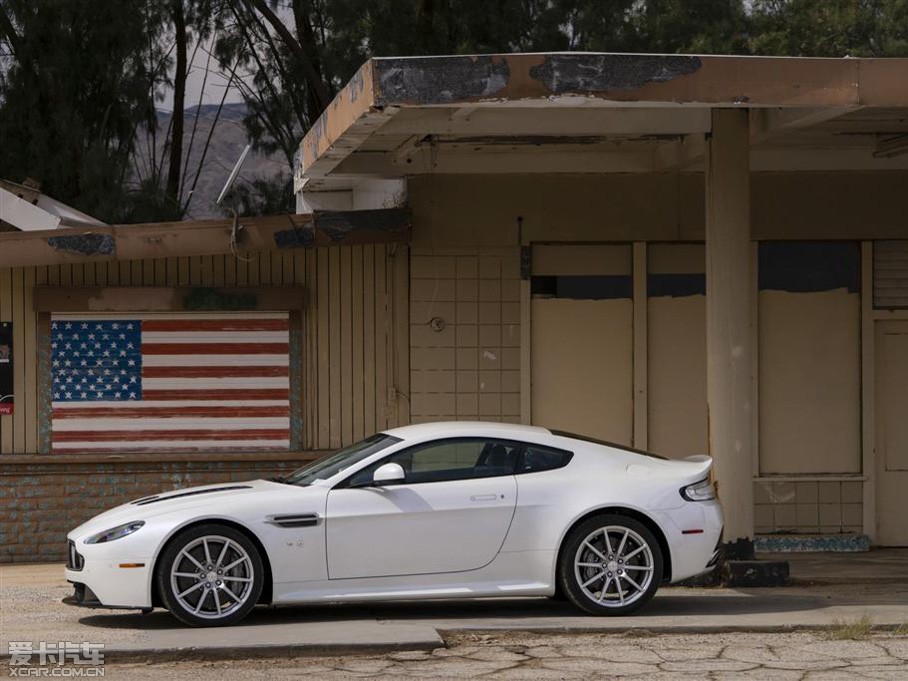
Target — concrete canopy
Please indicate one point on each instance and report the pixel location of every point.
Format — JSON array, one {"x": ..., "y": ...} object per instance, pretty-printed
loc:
[{"x": 595, "y": 113}]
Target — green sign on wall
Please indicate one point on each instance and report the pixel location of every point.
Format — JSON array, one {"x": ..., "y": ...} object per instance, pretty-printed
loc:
[{"x": 6, "y": 368}]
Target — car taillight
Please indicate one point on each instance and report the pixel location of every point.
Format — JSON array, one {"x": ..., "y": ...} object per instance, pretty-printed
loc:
[{"x": 699, "y": 491}]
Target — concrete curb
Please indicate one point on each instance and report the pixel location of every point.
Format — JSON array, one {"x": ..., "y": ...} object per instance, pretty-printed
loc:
[
  {"x": 139, "y": 653},
  {"x": 681, "y": 630}
]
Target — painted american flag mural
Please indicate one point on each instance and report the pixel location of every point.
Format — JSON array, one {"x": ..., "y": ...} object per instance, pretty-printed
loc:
[{"x": 159, "y": 383}]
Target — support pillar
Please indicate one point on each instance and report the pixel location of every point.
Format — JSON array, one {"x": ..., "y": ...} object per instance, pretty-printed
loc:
[{"x": 729, "y": 343}]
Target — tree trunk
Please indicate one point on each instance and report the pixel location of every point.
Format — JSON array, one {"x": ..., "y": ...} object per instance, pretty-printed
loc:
[
  {"x": 179, "y": 103},
  {"x": 313, "y": 77}
]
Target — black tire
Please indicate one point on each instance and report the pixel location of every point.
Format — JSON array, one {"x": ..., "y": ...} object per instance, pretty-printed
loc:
[
  {"x": 244, "y": 580},
  {"x": 619, "y": 588}
]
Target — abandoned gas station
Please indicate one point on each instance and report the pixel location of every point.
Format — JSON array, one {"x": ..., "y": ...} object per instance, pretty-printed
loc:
[{"x": 683, "y": 254}]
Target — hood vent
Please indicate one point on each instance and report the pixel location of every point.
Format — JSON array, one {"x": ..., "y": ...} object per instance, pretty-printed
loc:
[{"x": 155, "y": 499}]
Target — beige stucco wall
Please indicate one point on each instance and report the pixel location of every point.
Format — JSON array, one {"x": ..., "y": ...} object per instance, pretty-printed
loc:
[{"x": 471, "y": 210}]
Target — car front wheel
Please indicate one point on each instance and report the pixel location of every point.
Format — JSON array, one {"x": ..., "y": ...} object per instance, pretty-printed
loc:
[
  {"x": 611, "y": 565},
  {"x": 210, "y": 575}
]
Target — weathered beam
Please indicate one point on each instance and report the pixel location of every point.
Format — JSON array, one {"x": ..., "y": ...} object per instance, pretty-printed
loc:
[
  {"x": 627, "y": 157},
  {"x": 203, "y": 237},
  {"x": 23, "y": 215},
  {"x": 680, "y": 155},
  {"x": 560, "y": 120},
  {"x": 768, "y": 123},
  {"x": 474, "y": 84}
]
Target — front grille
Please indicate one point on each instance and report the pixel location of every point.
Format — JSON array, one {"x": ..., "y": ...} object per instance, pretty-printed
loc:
[{"x": 74, "y": 559}]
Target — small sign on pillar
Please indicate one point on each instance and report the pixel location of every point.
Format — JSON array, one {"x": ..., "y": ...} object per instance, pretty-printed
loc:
[{"x": 6, "y": 368}]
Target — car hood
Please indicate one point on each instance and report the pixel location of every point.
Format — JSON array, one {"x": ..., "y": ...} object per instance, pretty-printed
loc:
[{"x": 184, "y": 501}]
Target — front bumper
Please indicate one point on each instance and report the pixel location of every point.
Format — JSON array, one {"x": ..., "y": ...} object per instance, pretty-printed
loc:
[
  {"x": 102, "y": 580},
  {"x": 84, "y": 597}
]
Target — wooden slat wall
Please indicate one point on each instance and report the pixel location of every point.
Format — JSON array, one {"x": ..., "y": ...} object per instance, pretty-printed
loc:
[{"x": 356, "y": 355}]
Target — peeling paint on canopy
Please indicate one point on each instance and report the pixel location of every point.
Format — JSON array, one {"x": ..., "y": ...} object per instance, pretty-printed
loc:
[
  {"x": 587, "y": 74},
  {"x": 84, "y": 244},
  {"x": 442, "y": 79}
]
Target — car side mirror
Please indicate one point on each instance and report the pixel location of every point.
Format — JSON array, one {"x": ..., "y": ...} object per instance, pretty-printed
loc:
[{"x": 388, "y": 474}]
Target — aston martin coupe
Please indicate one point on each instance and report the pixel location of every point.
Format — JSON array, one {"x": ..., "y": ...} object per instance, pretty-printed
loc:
[{"x": 429, "y": 511}]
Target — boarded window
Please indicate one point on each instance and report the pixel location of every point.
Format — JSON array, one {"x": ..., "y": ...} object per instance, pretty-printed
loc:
[
  {"x": 809, "y": 364},
  {"x": 175, "y": 382}
]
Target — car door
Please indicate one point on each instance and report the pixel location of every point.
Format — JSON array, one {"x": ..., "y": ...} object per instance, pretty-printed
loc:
[{"x": 451, "y": 513}]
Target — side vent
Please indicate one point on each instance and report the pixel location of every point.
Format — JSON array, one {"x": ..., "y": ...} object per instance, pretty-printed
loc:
[
  {"x": 291, "y": 520},
  {"x": 890, "y": 274}
]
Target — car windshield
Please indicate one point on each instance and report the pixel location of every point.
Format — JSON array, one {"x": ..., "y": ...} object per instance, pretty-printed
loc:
[{"x": 340, "y": 460}]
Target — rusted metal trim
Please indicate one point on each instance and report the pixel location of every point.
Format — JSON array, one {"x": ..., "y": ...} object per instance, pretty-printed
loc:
[
  {"x": 339, "y": 228},
  {"x": 167, "y": 299}
]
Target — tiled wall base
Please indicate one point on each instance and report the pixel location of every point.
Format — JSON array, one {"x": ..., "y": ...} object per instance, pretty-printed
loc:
[
  {"x": 808, "y": 507},
  {"x": 798, "y": 543}
]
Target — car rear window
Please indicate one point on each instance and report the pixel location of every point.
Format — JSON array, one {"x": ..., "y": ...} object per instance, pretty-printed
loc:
[{"x": 537, "y": 458}]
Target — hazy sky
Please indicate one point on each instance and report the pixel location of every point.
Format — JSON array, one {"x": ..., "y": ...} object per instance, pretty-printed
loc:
[
  {"x": 217, "y": 80},
  {"x": 214, "y": 87}
]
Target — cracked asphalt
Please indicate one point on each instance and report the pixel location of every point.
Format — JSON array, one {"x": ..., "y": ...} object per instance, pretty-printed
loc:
[{"x": 537, "y": 656}]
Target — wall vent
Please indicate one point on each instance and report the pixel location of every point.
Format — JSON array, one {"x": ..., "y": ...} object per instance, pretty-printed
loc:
[{"x": 890, "y": 274}]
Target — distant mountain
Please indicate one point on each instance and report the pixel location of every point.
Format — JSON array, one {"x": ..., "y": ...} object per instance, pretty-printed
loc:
[{"x": 227, "y": 143}]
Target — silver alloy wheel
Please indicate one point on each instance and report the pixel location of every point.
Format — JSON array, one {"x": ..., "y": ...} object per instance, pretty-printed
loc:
[
  {"x": 613, "y": 566},
  {"x": 212, "y": 577}
]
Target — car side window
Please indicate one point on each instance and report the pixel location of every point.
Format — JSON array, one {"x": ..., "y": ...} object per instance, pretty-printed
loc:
[
  {"x": 538, "y": 458},
  {"x": 450, "y": 459}
]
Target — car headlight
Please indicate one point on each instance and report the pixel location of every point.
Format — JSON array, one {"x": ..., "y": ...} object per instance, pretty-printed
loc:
[
  {"x": 117, "y": 532},
  {"x": 699, "y": 491}
]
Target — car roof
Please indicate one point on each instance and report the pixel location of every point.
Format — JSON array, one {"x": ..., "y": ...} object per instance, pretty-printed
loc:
[{"x": 422, "y": 431}]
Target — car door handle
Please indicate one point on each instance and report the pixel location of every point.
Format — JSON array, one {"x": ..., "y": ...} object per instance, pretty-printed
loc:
[{"x": 484, "y": 497}]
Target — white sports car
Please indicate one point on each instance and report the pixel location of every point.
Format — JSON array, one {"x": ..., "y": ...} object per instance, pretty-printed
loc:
[{"x": 440, "y": 510}]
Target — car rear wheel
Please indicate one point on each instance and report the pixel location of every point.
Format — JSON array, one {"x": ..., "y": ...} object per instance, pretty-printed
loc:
[
  {"x": 611, "y": 565},
  {"x": 210, "y": 575}
]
